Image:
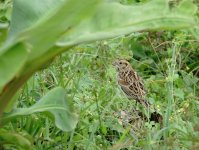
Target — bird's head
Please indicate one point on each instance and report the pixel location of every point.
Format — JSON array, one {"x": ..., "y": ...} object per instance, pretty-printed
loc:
[{"x": 121, "y": 65}]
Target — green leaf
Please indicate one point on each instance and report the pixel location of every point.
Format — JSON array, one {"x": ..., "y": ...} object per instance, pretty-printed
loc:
[
  {"x": 53, "y": 103},
  {"x": 27, "y": 13},
  {"x": 114, "y": 19}
]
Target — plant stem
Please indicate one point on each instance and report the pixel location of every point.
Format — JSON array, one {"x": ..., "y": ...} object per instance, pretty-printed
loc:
[{"x": 170, "y": 94}]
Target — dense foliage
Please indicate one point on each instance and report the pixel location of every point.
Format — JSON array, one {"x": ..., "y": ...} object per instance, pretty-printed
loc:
[{"x": 71, "y": 100}]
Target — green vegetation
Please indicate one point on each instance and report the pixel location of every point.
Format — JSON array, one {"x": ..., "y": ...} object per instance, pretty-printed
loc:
[{"x": 58, "y": 87}]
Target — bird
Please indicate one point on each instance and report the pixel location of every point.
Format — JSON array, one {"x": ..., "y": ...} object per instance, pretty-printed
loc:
[
  {"x": 133, "y": 87},
  {"x": 130, "y": 82}
]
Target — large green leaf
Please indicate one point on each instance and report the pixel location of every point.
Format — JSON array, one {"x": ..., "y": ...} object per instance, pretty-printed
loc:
[
  {"x": 53, "y": 103},
  {"x": 114, "y": 19}
]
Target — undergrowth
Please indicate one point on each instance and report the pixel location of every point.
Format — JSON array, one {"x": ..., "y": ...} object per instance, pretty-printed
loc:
[{"x": 168, "y": 64}]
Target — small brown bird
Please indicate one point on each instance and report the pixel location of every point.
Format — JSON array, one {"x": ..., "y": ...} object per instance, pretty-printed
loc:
[{"x": 130, "y": 83}]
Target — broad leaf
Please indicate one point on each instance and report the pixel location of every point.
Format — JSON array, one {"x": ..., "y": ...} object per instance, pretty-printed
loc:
[
  {"x": 114, "y": 19},
  {"x": 53, "y": 103}
]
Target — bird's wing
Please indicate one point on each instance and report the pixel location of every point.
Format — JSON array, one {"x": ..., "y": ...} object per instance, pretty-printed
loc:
[
  {"x": 135, "y": 81},
  {"x": 130, "y": 92},
  {"x": 134, "y": 90}
]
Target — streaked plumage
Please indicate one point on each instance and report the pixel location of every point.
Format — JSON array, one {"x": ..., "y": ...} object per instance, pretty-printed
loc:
[{"x": 130, "y": 83}]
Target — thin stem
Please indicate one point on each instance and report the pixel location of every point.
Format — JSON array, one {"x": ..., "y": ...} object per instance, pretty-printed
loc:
[{"x": 170, "y": 94}]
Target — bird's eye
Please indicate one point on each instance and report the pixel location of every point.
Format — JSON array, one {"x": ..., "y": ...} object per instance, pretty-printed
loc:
[{"x": 120, "y": 63}]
